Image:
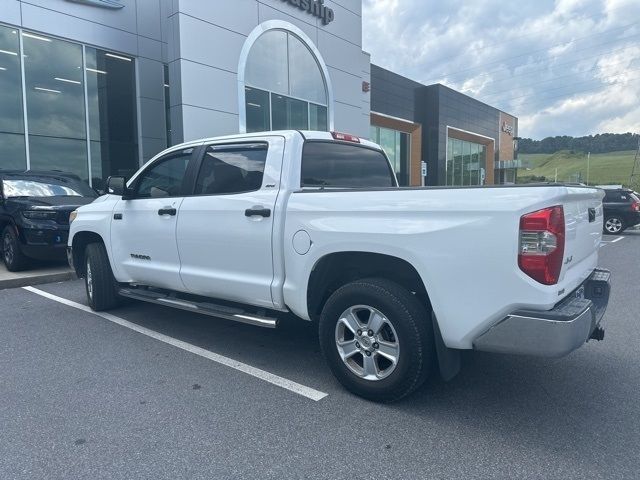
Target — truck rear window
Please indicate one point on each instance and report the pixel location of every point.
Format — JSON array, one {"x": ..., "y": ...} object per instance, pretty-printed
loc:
[{"x": 341, "y": 165}]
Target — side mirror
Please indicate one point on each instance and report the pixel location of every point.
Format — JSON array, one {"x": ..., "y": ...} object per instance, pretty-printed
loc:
[{"x": 117, "y": 185}]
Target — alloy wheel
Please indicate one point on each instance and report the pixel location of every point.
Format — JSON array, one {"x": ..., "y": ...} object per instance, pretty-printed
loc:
[
  {"x": 613, "y": 225},
  {"x": 367, "y": 342}
]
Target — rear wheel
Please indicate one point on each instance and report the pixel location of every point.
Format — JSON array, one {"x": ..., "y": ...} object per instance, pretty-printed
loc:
[
  {"x": 377, "y": 339},
  {"x": 99, "y": 282},
  {"x": 613, "y": 225},
  {"x": 12, "y": 256}
]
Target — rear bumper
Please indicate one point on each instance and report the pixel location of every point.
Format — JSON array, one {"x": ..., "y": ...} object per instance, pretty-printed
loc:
[{"x": 555, "y": 332}]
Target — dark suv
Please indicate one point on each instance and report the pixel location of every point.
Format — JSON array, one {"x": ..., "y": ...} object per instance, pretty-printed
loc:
[
  {"x": 621, "y": 210},
  {"x": 34, "y": 214}
]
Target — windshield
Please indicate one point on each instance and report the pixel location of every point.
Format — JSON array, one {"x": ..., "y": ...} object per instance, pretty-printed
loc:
[{"x": 45, "y": 187}]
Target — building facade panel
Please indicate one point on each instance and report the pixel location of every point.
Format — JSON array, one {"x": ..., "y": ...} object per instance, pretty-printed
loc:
[
  {"x": 203, "y": 123},
  {"x": 78, "y": 29},
  {"x": 196, "y": 81},
  {"x": 209, "y": 44},
  {"x": 242, "y": 18},
  {"x": 347, "y": 25}
]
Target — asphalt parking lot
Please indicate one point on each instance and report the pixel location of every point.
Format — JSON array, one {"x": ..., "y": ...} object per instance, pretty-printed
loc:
[{"x": 159, "y": 393}]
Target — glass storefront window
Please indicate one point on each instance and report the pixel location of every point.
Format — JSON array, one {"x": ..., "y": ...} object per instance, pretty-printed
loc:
[
  {"x": 305, "y": 76},
  {"x": 317, "y": 117},
  {"x": 55, "y": 105},
  {"x": 12, "y": 147},
  {"x": 289, "y": 113},
  {"x": 396, "y": 146},
  {"x": 457, "y": 162},
  {"x": 59, "y": 107},
  {"x": 466, "y": 162},
  {"x": 258, "y": 110},
  {"x": 65, "y": 154},
  {"x": 112, "y": 115},
  {"x": 285, "y": 87},
  {"x": 263, "y": 70}
]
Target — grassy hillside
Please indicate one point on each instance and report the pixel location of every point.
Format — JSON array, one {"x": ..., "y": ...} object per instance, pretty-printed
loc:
[{"x": 605, "y": 168}]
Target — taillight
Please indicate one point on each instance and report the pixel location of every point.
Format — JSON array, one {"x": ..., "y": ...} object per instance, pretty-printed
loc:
[
  {"x": 542, "y": 244},
  {"x": 635, "y": 207},
  {"x": 345, "y": 137}
]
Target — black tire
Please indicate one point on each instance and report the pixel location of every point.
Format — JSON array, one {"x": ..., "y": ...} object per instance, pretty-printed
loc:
[
  {"x": 100, "y": 285},
  {"x": 410, "y": 322},
  {"x": 613, "y": 225},
  {"x": 12, "y": 255}
]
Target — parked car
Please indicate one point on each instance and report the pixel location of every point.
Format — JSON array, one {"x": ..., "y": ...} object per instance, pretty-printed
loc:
[
  {"x": 34, "y": 214},
  {"x": 400, "y": 280},
  {"x": 621, "y": 210}
]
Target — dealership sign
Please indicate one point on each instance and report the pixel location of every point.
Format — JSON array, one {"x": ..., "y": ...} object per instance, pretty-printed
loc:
[
  {"x": 506, "y": 128},
  {"x": 112, "y": 4},
  {"x": 315, "y": 8}
]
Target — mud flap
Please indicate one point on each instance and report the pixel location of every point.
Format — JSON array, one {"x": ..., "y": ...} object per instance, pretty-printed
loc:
[{"x": 448, "y": 358}]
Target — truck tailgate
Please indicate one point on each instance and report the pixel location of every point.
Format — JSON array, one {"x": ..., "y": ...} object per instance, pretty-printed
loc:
[{"x": 583, "y": 223}]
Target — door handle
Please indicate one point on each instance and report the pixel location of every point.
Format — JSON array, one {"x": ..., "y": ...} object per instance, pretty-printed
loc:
[
  {"x": 167, "y": 211},
  {"x": 257, "y": 211}
]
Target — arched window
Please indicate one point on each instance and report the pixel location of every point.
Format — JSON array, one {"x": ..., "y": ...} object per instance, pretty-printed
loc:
[{"x": 284, "y": 84}]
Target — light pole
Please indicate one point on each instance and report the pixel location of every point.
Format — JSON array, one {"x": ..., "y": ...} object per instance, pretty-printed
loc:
[{"x": 588, "y": 165}]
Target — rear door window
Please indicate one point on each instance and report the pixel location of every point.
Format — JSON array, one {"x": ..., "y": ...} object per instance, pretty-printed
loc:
[
  {"x": 228, "y": 169},
  {"x": 341, "y": 165}
]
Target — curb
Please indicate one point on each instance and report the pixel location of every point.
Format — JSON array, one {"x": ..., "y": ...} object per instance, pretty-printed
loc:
[{"x": 37, "y": 280}]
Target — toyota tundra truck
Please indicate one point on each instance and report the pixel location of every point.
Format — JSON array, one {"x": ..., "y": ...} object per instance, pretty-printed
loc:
[{"x": 313, "y": 225}]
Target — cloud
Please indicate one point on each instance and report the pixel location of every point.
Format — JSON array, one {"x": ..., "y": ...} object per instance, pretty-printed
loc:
[{"x": 564, "y": 67}]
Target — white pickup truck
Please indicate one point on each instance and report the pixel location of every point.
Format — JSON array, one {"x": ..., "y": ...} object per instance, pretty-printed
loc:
[{"x": 400, "y": 280}]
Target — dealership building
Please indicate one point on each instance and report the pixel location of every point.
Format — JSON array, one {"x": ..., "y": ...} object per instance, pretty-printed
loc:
[{"x": 97, "y": 87}]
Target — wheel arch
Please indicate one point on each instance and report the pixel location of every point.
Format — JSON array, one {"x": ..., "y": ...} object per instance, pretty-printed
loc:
[
  {"x": 79, "y": 247},
  {"x": 335, "y": 269}
]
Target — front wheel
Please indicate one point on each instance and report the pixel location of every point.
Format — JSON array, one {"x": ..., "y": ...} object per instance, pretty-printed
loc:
[
  {"x": 613, "y": 225},
  {"x": 377, "y": 339},
  {"x": 99, "y": 282},
  {"x": 13, "y": 257}
]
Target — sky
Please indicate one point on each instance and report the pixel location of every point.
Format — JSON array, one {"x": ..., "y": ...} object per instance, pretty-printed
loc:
[{"x": 563, "y": 67}]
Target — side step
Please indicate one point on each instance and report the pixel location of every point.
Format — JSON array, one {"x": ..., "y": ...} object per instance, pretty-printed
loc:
[{"x": 205, "y": 308}]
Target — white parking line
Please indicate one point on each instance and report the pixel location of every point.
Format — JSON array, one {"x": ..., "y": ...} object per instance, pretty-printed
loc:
[
  {"x": 290, "y": 385},
  {"x": 604, "y": 243}
]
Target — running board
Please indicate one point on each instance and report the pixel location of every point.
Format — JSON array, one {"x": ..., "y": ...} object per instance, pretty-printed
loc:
[{"x": 205, "y": 308}]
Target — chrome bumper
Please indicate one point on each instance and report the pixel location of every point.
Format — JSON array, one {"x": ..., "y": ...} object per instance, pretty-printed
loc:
[{"x": 556, "y": 332}]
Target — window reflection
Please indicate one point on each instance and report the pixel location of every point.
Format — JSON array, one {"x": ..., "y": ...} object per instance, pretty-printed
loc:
[
  {"x": 12, "y": 148},
  {"x": 54, "y": 87},
  {"x": 63, "y": 154}
]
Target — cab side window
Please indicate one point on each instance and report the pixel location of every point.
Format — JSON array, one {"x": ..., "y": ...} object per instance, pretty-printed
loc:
[
  {"x": 231, "y": 169},
  {"x": 165, "y": 178}
]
